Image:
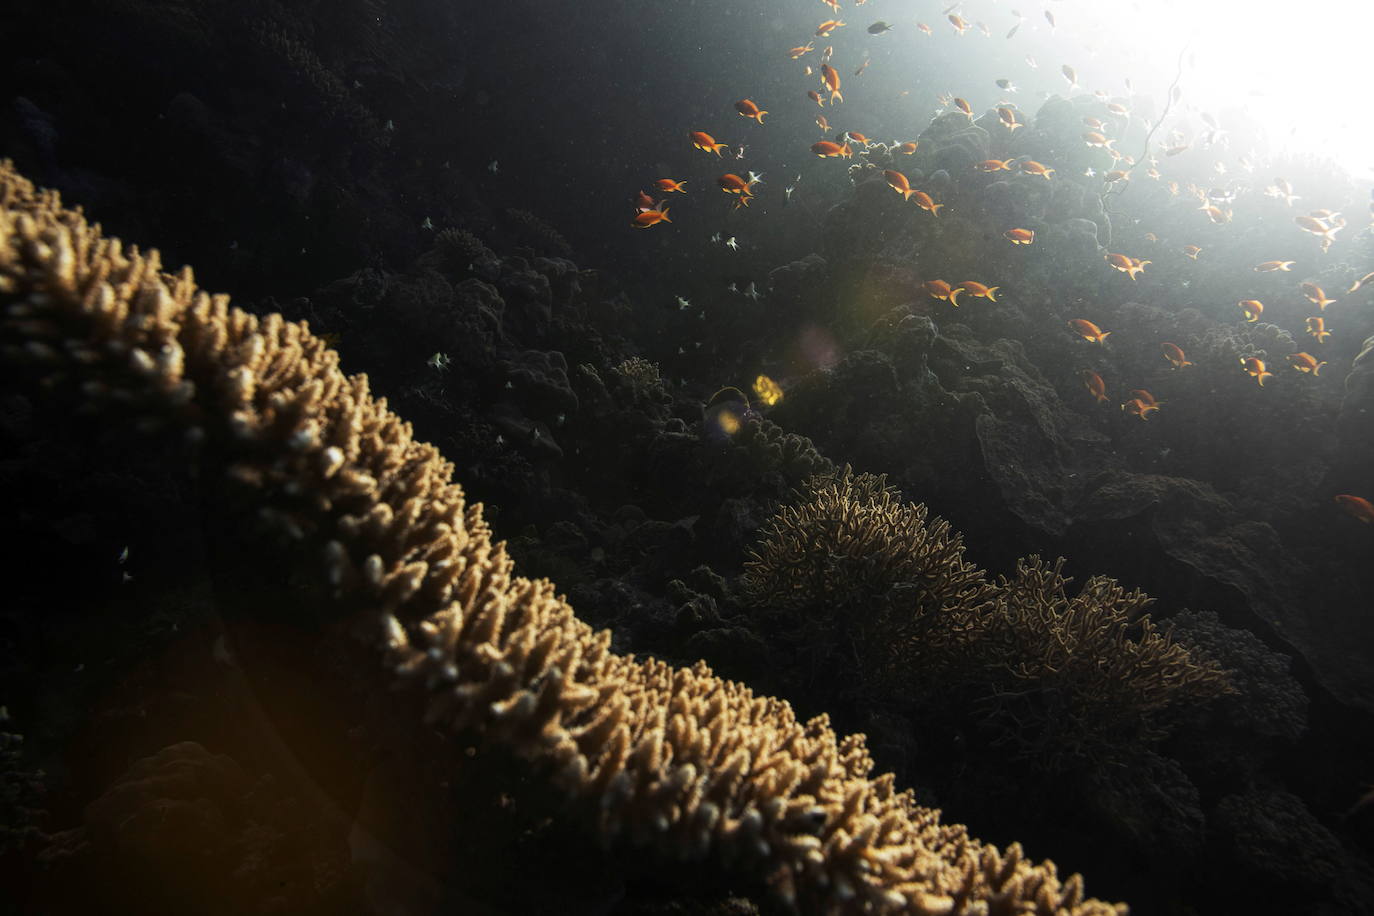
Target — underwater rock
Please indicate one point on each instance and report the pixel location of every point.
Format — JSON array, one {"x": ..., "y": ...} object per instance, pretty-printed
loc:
[
  {"x": 1355, "y": 422},
  {"x": 953, "y": 143},
  {"x": 802, "y": 285},
  {"x": 1270, "y": 841},
  {"x": 538, "y": 380}
]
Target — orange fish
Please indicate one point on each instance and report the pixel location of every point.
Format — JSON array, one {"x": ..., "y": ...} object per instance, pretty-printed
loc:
[
  {"x": 993, "y": 165},
  {"x": 1118, "y": 109},
  {"x": 1174, "y": 354},
  {"x": 1216, "y": 214},
  {"x": 863, "y": 66},
  {"x": 975, "y": 289},
  {"x": 748, "y": 109},
  {"x": 1361, "y": 282},
  {"x": 668, "y": 185},
  {"x": 1088, "y": 330},
  {"x": 1315, "y": 295},
  {"x": 1093, "y": 138},
  {"x": 825, "y": 28},
  {"x": 1357, "y": 506},
  {"x": 897, "y": 181},
  {"x": 644, "y": 202},
  {"x": 1019, "y": 236},
  {"x": 1094, "y": 123},
  {"x": 908, "y": 147},
  {"x": 1175, "y": 150},
  {"x": 938, "y": 289},
  {"x": 1141, "y": 406},
  {"x": 822, "y": 123},
  {"x": 731, "y": 183},
  {"x": 831, "y": 78},
  {"x": 925, "y": 203},
  {"x": 1192, "y": 251},
  {"x": 646, "y": 218},
  {"x": 924, "y": 28},
  {"x": 1151, "y": 237},
  {"x": 1126, "y": 264},
  {"x": 828, "y": 150},
  {"x": 1268, "y": 266},
  {"x": 1116, "y": 175},
  {"x": 1096, "y": 387},
  {"x": 833, "y": 4},
  {"x": 802, "y": 49},
  {"x": 1254, "y": 366},
  {"x": 1008, "y": 116},
  {"x": 1316, "y": 326},
  {"x": 964, "y": 106},
  {"x": 704, "y": 141},
  {"x": 960, "y": 24},
  {"x": 857, "y": 138},
  {"x": 815, "y": 96},
  {"x": 1031, "y": 167},
  {"x": 1305, "y": 362},
  {"x": 1315, "y": 226},
  {"x": 1251, "y": 309}
]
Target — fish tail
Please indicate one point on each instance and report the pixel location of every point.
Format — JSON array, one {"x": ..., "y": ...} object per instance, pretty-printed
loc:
[
  {"x": 1102, "y": 336},
  {"x": 1317, "y": 369},
  {"x": 935, "y": 209},
  {"x": 992, "y": 290},
  {"x": 953, "y": 297},
  {"x": 665, "y": 215},
  {"x": 760, "y": 116},
  {"x": 906, "y": 195}
]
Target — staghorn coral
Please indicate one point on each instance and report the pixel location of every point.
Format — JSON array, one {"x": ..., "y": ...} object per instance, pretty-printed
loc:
[
  {"x": 1056, "y": 678},
  {"x": 1084, "y": 676},
  {"x": 861, "y": 561},
  {"x": 673, "y": 759}
]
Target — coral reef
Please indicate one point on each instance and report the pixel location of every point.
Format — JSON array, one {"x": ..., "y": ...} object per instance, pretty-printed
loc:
[{"x": 672, "y": 759}]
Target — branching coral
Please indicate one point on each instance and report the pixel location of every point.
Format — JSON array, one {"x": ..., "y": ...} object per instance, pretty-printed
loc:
[
  {"x": 1055, "y": 677},
  {"x": 673, "y": 759},
  {"x": 858, "y": 561},
  {"x": 1081, "y": 676}
]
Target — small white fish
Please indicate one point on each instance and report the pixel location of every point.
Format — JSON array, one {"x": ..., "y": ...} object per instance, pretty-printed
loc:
[
  {"x": 755, "y": 178},
  {"x": 683, "y": 304},
  {"x": 1089, "y": 172},
  {"x": 438, "y": 361},
  {"x": 732, "y": 244},
  {"x": 389, "y": 125},
  {"x": 740, "y": 153},
  {"x": 715, "y": 238},
  {"x": 124, "y": 556},
  {"x": 1006, "y": 86},
  {"x": 732, "y": 287},
  {"x": 752, "y": 291},
  {"x": 493, "y": 167},
  {"x": 427, "y": 224},
  {"x": 1030, "y": 61},
  {"x": 787, "y": 193}
]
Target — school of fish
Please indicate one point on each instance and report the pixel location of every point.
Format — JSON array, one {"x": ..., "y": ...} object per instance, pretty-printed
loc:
[{"x": 1216, "y": 205}]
